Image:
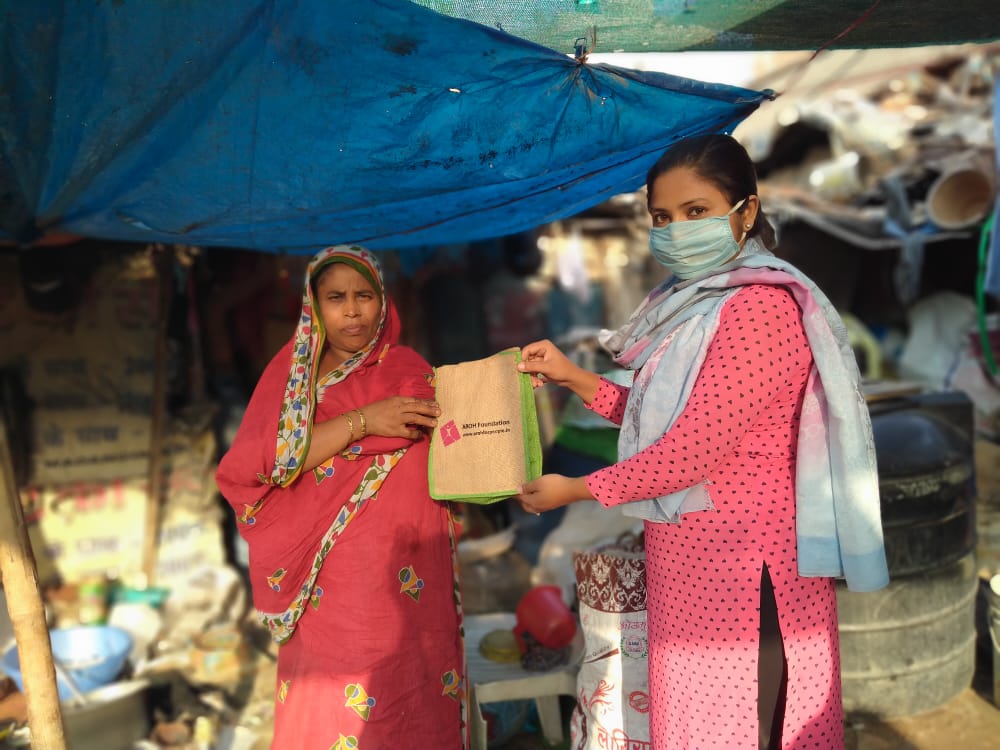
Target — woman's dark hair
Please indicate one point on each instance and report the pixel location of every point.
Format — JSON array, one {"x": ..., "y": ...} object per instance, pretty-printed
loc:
[{"x": 721, "y": 160}]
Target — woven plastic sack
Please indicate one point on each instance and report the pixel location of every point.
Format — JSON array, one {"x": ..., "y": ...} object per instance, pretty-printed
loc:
[
  {"x": 612, "y": 685},
  {"x": 486, "y": 444}
]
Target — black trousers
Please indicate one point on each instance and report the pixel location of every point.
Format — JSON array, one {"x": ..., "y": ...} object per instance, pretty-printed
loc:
[{"x": 772, "y": 669}]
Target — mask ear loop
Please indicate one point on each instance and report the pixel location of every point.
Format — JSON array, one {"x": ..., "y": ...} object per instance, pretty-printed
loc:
[{"x": 746, "y": 227}]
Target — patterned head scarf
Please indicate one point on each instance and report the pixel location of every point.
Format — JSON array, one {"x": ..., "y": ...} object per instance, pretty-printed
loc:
[{"x": 299, "y": 402}]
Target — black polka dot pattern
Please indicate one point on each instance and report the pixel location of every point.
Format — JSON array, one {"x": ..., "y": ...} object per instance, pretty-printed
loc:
[{"x": 737, "y": 434}]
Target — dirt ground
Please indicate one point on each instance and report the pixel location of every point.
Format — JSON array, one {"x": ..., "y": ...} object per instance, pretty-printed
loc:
[{"x": 969, "y": 722}]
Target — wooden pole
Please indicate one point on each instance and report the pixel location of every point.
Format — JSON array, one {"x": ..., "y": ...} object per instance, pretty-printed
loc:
[
  {"x": 163, "y": 262},
  {"x": 27, "y": 613}
]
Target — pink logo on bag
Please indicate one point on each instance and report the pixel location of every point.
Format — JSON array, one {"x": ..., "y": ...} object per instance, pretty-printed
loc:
[{"x": 450, "y": 433}]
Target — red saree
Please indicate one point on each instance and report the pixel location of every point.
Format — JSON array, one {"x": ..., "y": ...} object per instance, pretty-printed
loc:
[{"x": 352, "y": 565}]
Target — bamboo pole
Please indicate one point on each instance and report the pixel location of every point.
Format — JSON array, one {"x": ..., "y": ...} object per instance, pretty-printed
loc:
[
  {"x": 163, "y": 262},
  {"x": 27, "y": 613}
]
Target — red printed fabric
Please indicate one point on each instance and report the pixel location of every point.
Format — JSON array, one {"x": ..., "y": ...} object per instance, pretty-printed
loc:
[
  {"x": 375, "y": 661},
  {"x": 738, "y": 434}
]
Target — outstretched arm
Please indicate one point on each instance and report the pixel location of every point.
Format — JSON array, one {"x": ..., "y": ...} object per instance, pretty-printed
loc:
[
  {"x": 552, "y": 491},
  {"x": 547, "y": 364},
  {"x": 759, "y": 350}
]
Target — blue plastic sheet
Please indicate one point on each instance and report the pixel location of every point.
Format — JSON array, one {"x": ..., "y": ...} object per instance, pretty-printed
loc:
[{"x": 288, "y": 126}]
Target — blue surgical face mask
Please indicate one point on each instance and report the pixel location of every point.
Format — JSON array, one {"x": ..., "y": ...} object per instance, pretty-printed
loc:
[{"x": 687, "y": 248}]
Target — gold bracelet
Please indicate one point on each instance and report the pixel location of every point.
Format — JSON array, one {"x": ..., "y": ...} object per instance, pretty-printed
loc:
[
  {"x": 350, "y": 424},
  {"x": 364, "y": 423}
]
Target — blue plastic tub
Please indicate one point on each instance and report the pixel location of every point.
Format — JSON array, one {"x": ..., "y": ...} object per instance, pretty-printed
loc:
[{"x": 93, "y": 655}]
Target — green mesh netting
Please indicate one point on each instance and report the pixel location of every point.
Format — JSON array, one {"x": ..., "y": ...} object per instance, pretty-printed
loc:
[{"x": 675, "y": 25}]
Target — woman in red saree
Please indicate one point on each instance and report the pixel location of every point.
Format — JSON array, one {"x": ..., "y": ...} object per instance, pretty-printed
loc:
[{"x": 353, "y": 566}]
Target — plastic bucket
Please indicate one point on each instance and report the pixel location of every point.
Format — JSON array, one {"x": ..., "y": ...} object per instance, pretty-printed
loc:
[
  {"x": 910, "y": 647},
  {"x": 543, "y": 614},
  {"x": 92, "y": 654}
]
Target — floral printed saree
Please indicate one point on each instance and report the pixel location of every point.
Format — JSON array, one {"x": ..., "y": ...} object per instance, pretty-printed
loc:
[{"x": 352, "y": 564}]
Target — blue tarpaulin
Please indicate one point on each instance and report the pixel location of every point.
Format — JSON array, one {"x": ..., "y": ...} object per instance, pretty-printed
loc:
[{"x": 287, "y": 126}]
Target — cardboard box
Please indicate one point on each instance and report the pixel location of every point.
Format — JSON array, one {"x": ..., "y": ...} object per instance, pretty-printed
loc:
[{"x": 96, "y": 444}]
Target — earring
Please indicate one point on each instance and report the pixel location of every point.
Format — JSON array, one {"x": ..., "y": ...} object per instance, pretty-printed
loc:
[{"x": 746, "y": 226}]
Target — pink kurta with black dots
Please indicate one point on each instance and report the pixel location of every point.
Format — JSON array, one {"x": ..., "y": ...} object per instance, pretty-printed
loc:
[{"x": 737, "y": 434}]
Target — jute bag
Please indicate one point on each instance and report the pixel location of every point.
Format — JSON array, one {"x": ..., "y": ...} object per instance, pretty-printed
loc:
[
  {"x": 612, "y": 686},
  {"x": 486, "y": 444}
]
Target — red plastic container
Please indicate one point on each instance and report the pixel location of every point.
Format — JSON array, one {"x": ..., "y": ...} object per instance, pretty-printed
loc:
[{"x": 543, "y": 613}]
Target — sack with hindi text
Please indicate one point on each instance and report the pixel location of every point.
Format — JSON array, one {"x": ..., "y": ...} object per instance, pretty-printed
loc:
[
  {"x": 486, "y": 444},
  {"x": 612, "y": 686}
]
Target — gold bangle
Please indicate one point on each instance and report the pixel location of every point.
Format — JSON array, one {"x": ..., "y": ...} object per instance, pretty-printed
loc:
[
  {"x": 364, "y": 423},
  {"x": 350, "y": 425}
]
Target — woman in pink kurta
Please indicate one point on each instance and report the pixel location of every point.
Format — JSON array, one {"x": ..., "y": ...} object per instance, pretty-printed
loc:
[{"x": 743, "y": 650}]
